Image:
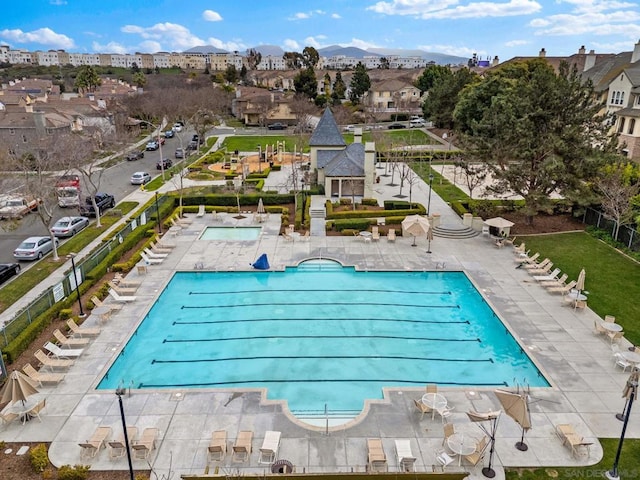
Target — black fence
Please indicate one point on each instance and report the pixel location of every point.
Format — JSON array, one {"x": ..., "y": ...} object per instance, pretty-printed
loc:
[
  {"x": 627, "y": 236},
  {"x": 12, "y": 328}
]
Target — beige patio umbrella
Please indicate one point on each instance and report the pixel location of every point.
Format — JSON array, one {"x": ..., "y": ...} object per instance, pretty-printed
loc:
[
  {"x": 261, "y": 211},
  {"x": 430, "y": 238},
  {"x": 17, "y": 388},
  {"x": 580, "y": 282},
  {"x": 490, "y": 431},
  {"x": 501, "y": 224},
  {"x": 415, "y": 225},
  {"x": 516, "y": 406}
]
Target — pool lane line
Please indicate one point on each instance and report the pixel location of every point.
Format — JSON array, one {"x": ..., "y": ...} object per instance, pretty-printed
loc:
[
  {"x": 320, "y": 290},
  {"x": 307, "y": 319},
  {"x": 351, "y": 380},
  {"x": 291, "y": 304},
  {"x": 327, "y": 357},
  {"x": 335, "y": 337}
]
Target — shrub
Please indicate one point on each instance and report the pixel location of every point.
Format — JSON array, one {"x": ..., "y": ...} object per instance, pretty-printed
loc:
[
  {"x": 65, "y": 313},
  {"x": 370, "y": 201},
  {"x": 459, "y": 208},
  {"x": 79, "y": 472},
  {"x": 357, "y": 224},
  {"x": 38, "y": 458}
]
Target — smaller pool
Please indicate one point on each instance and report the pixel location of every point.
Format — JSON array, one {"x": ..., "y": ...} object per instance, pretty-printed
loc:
[{"x": 231, "y": 233}]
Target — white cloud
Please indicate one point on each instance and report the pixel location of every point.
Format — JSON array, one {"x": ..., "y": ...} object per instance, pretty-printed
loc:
[
  {"x": 356, "y": 42},
  {"x": 430, "y": 9},
  {"x": 44, "y": 36},
  {"x": 177, "y": 37},
  {"x": 211, "y": 16},
  {"x": 57, "y": 2},
  {"x": 457, "y": 50},
  {"x": 111, "y": 47},
  {"x": 149, "y": 46},
  {"x": 315, "y": 42},
  {"x": 516, "y": 43},
  {"x": 231, "y": 46},
  {"x": 612, "y": 47},
  {"x": 336, "y": 16},
  {"x": 291, "y": 45},
  {"x": 300, "y": 16}
]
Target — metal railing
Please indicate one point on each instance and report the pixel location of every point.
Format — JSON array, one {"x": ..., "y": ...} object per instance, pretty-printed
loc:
[
  {"x": 12, "y": 328},
  {"x": 627, "y": 236}
]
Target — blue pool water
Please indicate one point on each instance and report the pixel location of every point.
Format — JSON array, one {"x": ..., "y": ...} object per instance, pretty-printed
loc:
[
  {"x": 318, "y": 335},
  {"x": 230, "y": 233}
]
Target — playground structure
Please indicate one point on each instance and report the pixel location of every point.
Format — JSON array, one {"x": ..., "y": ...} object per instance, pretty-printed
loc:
[{"x": 255, "y": 162}]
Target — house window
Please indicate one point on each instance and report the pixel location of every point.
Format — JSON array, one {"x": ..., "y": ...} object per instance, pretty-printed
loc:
[
  {"x": 621, "y": 126},
  {"x": 632, "y": 126},
  {"x": 613, "y": 98},
  {"x": 24, "y": 139},
  {"x": 12, "y": 131},
  {"x": 621, "y": 98}
]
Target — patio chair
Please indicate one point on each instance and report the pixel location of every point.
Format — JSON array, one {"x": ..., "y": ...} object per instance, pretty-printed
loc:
[
  {"x": 122, "y": 281},
  {"x": 560, "y": 282},
  {"x": 151, "y": 261},
  {"x": 161, "y": 248},
  {"x": 8, "y": 417},
  {"x": 610, "y": 318},
  {"x": 536, "y": 265},
  {"x": 598, "y": 329},
  {"x": 541, "y": 271},
  {"x": 41, "y": 377},
  {"x": 201, "y": 211},
  {"x": 182, "y": 221},
  {"x": 58, "y": 352},
  {"x": 563, "y": 289},
  {"x": 477, "y": 456},
  {"x": 422, "y": 408},
  {"x": 572, "y": 440},
  {"x": 431, "y": 388},
  {"x": 528, "y": 260},
  {"x": 621, "y": 362},
  {"x": 151, "y": 254},
  {"x": 615, "y": 337},
  {"x": 69, "y": 341},
  {"x": 449, "y": 430},
  {"x": 287, "y": 237},
  {"x": 443, "y": 459},
  {"x": 52, "y": 363},
  {"x": 98, "y": 440},
  {"x": 122, "y": 290},
  {"x": 391, "y": 235},
  {"x": 376, "y": 458},
  {"x": 143, "y": 447},
  {"x": 99, "y": 303},
  {"x": 78, "y": 330},
  {"x": 375, "y": 234},
  {"x": 34, "y": 412},
  {"x": 118, "y": 447},
  {"x": 270, "y": 446},
  {"x": 445, "y": 413},
  {"x": 121, "y": 298},
  {"x": 218, "y": 446},
  {"x": 242, "y": 446},
  {"x": 404, "y": 455},
  {"x": 547, "y": 278}
]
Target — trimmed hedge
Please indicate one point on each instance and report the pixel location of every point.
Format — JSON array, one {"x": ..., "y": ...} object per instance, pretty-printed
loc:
[
  {"x": 357, "y": 224},
  {"x": 230, "y": 200}
]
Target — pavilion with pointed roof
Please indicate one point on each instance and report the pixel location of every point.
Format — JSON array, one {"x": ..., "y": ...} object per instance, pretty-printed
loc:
[{"x": 344, "y": 170}]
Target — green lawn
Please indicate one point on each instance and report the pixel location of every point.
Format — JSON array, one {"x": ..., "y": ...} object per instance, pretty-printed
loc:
[
  {"x": 250, "y": 143},
  {"x": 613, "y": 279}
]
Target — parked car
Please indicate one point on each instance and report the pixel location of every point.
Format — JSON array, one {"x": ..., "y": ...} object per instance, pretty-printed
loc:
[
  {"x": 135, "y": 155},
  {"x": 277, "y": 126},
  {"x": 168, "y": 134},
  {"x": 193, "y": 145},
  {"x": 179, "y": 153},
  {"x": 417, "y": 123},
  {"x": 33, "y": 248},
  {"x": 153, "y": 145},
  {"x": 8, "y": 270},
  {"x": 69, "y": 226},
  {"x": 164, "y": 163},
  {"x": 18, "y": 207},
  {"x": 177, "y": 127},
  {"x": 396, "y": 126},
  {"x": 140, "y": 178},
  {"x": 103, "y": 201},
  {"x": 349, "y": 128}
]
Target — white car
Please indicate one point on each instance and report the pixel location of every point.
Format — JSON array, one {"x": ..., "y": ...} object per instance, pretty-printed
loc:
[
  {"x": 417, "y": 123},
  {"x": 33, "y": 248},
  {"x": 140, "y": 178},
  {"x": 349, "y": 128},
  {"x": 177, "y": 127},
  {"x": 69, "y": 226}
]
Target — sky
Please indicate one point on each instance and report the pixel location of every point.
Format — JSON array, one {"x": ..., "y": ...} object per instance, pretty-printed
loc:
[{"x": 503, "y": 28}]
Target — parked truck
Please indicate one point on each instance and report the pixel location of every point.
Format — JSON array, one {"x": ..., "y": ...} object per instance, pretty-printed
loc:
[
  {"x": 68, "y": 190},
  {"x": 103, "y": 201},
  {"x": 17, "y": 206}
]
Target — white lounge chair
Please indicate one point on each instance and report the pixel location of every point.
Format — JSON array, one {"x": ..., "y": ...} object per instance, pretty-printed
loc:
[
  {"x": 270, "y": 446},
  {"x": 154, "y": 254},
  {"x": 69, "y": 342},
  {"x": 547, "y": 278},
  {"x": 58, "y": 352},
  {"x": 52, "y": 362},
  {"x": 149, "y": 260},
  {"x": 121, "y": 298},
  {"x": 78, "y": 330},
  {"x": 201, "y": 211},
  {"x": 405, "y": 457}
]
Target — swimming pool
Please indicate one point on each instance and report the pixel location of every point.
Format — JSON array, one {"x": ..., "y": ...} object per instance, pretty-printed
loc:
[
  {"x": 319, "y": 336},
  {"x": 230, "y": 233}
]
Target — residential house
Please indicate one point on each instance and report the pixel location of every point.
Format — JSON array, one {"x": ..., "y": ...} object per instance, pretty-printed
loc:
[
  {"x": 344, "y": 170},
  {"x": 393, "y": 95},
  {"x": 260, "y": 107}
]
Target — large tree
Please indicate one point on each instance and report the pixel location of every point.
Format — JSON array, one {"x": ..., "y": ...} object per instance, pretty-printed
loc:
[
  {"x": 293, "y": 60},
  {"x": 310, "y": 57},
  {"x": 305, "y": 82},
  {"x": 430, "y": 75},
  {"x": 442, "y": 96},
  {"x": 360, "y": 83},
  {"x": 339, "y": 89},
  {"x": 538, "y": 131},
  {"x": 87, "y": 79},
  {"x": 617, "y": 184}
]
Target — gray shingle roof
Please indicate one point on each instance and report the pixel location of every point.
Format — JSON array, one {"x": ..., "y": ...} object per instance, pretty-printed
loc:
[
  {"x": 347, "y": 163},
  {"x": 326, "y": 132},
  {"x": 325, "y": 156}
]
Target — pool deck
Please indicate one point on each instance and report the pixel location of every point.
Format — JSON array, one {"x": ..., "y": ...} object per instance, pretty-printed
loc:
[{"x": 586, "y": 386}]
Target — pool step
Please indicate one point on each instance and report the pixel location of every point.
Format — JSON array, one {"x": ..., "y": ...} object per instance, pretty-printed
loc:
[{"x": 454, "y": 231}]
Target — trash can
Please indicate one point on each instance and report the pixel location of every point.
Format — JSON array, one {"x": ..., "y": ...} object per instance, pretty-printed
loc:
[
  {"x": 435, "y": 220},
  {"x": 467, "y": 219},
  {"x": 282, "y": 466}
]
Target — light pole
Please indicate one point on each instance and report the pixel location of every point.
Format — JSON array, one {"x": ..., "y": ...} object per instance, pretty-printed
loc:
[
  {"x": 119, "y": 392},
  {"x": 259, "y": 158},
  {"x": 630, "y": 391},
  {"x": 158, "y": 215},
  {"x": 429, "y": 201},
  {"x": 72, "y": 256}
]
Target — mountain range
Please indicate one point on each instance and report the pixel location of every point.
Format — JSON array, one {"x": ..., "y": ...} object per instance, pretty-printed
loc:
[{"x": 333, "y": 50}]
